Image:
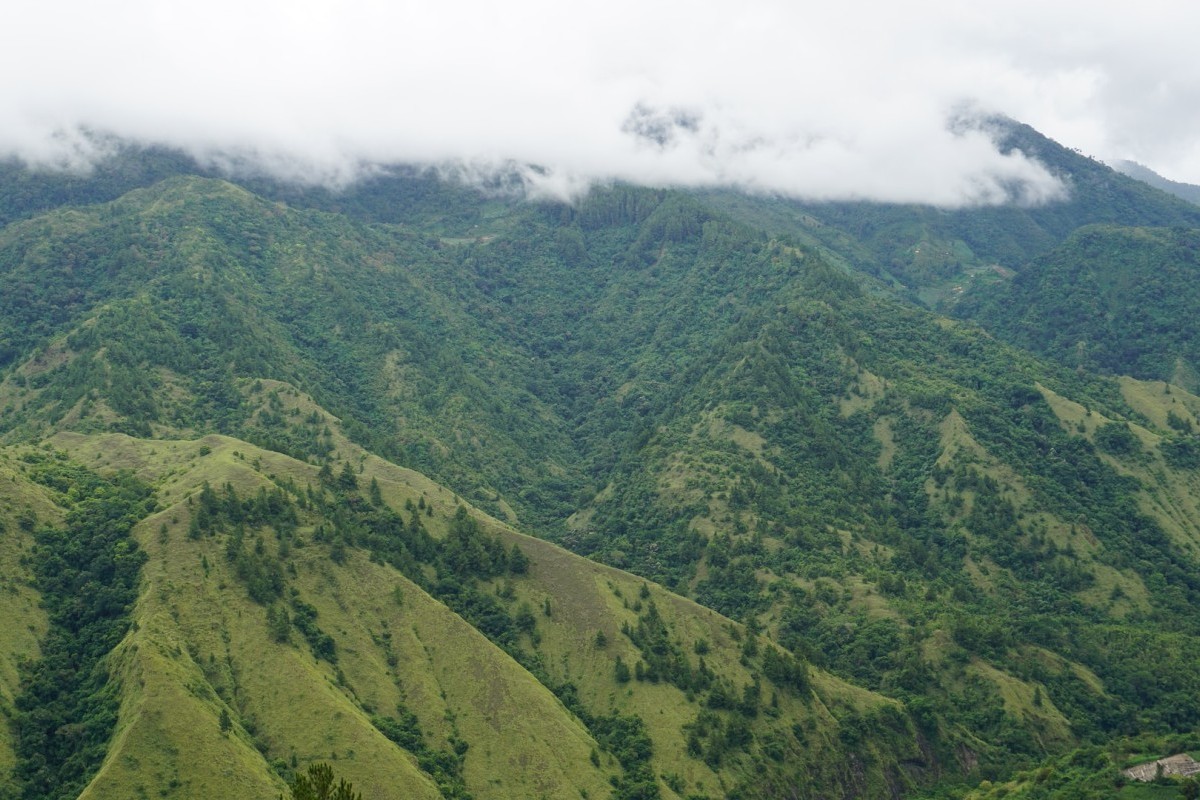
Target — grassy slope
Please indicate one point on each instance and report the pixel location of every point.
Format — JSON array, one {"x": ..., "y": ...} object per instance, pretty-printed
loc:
[
  {"x": 1171, "y": 496},
  {"x": 201, "y": 645},
  {"x": 709, "y": 454},
  {"x": 202, "y": 629},
  {"x": 218, "y": 283}
]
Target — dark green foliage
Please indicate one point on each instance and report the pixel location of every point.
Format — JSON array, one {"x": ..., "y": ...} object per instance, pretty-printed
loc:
[
  {"x": 625, "y": 737},
  {"x": 1090, "y": 772},
  {"x": 518, "y": 563},
  {"x": 279, "y": 624},
  {"x": 444, "y": 766},
  {"x": 1182, "y": 453},
  {"x": 1116, "y": 439},
  {"x": 1120, "y": 300},
  {"x": 662, "y": 658},
  {"x": 317, "y": 784},
  {"x": 347, "y": 481},
  {"x": 785, "y": 670},
  {"x": 67, "y": 708},
  {"x": 304, "y": 617},
  {"x": 747, "y": 419},
  {"x": 225, "y": 512}
]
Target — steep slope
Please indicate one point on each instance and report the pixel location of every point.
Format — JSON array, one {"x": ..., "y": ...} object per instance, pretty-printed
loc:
[
  {"x": 1184, "y": 191},
  {"x": 979, "y": 546},
  {"x": 192, "y": 284},
  {"x": 1114, "y": 299},
  {"x": 939, "y": 253},
  {"x": 366, "y": 659},
  {"x": 22, "y": 508},
  {"x": 885, "y": 507},
  {"x": 197, "y": 625}
]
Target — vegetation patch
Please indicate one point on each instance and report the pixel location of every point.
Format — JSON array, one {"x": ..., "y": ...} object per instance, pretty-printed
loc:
[{"x": 68, "y": 707}]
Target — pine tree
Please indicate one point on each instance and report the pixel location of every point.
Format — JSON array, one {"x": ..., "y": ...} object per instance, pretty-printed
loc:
[
  {"x": 318, "y": 784},
  {"x": 278, "y": 623},
  {"x": 347, "y": 481}
]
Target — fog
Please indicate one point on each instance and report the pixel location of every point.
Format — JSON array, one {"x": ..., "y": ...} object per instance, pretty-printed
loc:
[{"x": 853, "y": 102}]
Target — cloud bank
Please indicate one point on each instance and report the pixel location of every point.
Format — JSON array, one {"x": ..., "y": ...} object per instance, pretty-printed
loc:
[{"x": 852, "y": 102}]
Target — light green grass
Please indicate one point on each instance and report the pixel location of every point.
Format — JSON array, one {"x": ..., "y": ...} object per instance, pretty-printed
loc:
[{"x": 201, "y": 645}]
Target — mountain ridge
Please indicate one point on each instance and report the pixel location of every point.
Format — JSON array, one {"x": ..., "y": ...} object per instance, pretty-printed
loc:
[{"x": 939, "y": 557}]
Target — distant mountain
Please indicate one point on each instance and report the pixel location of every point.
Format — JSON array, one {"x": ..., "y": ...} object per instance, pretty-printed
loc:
[
  {"x": 1184, "y": 191},
  {"x": 270, "y": 456},
  {"x": 939, "y": 253}
]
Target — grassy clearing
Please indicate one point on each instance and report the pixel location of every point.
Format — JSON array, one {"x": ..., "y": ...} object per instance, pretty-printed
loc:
[{"x": 1021, "y": 701}]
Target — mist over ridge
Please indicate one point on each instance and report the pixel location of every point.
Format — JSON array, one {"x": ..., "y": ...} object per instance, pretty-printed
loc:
[{"x": 854, "y": 103}]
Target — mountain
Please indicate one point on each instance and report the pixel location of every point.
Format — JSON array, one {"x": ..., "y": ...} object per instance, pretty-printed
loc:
[
  {"x": 1119, "y": 300},
  {"x": 941, "y": 253},
  {"x": 178, "y": 330},
  {"x": 1184, "y": 191},
  {"x": 270, "y": 459}
]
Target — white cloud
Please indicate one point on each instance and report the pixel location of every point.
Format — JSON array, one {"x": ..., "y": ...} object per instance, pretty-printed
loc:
[{"x": 845, "y": 102}]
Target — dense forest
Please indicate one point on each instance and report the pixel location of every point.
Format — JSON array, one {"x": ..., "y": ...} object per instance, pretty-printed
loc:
[{"x": 709, "y": 485}]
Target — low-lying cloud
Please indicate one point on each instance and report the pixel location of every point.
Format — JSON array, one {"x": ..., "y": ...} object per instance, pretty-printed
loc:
[{"x": 848, "y": 103}]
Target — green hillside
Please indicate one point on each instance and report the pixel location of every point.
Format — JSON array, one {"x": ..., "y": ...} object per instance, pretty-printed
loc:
[
  {"x": 1184, "y": 191},
  {"x": 940, "y": 253},
  {"x": 796, "y": 536},
  {"x": 1112, "y": 299},
  {"x": 376, "y": 669}
]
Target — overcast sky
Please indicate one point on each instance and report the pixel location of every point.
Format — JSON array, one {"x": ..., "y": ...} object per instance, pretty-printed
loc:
[{"x": 830, "y": 100}]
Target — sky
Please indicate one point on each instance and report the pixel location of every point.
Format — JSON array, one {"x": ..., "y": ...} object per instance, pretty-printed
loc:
[{"x": 846, "y": 100}]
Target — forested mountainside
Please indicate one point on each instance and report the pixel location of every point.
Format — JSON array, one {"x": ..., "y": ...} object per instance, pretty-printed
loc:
[
  {"x": 658, "y": 494},
  {"x": 940, "y": 253},
  {"x": 1118, "y": 300}
]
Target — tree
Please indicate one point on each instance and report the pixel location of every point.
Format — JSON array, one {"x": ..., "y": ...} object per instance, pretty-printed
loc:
[
  {"x": 518, "y": 562},
  {"x": 279, "y": 625},
  {"x": 621, "y": 671},
  {"x": 347, "y": 481},
  {"x": 318, "y": 784}
]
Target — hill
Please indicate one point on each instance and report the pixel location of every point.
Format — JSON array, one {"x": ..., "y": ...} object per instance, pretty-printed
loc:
[
  {"x": 1184, "y": 191},
  {"x": 874, "y": 548},
  {"x": 941, "y": 253},
  {"x": 284, "y": 618},
  {"x": 1112, "y": 299}
]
